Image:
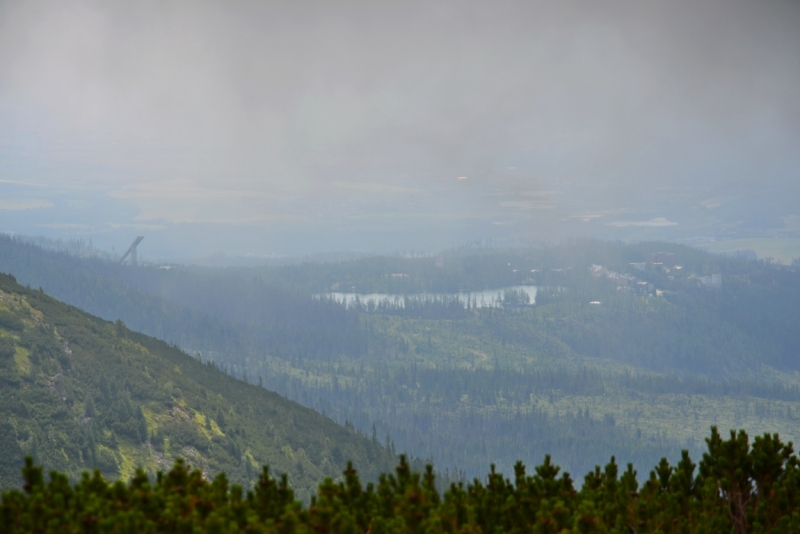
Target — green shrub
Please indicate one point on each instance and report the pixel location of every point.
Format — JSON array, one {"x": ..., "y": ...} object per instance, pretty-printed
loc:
[
  {"x": 7, "y": 348},
  {"x": 738, "y": 487},
  {"x": 11, "y": 321}
]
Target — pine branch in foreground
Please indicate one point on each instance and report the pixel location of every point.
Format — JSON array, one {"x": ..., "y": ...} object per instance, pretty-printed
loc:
[{"x": 738, "y": 487}]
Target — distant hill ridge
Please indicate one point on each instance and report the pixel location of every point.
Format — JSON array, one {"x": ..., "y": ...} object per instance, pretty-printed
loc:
[{"x": 78, "y": 392}]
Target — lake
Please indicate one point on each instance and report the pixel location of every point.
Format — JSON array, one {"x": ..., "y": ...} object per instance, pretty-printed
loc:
[{"x": 488, "y": 298}]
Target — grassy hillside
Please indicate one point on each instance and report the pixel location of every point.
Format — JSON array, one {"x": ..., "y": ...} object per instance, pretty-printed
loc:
[{"x": 78, "y": 392}]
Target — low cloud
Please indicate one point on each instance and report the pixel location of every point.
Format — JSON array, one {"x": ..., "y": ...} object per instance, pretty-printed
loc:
[
  {"x": 654, "y": 223},
  {"x": 376, "y": 188},
  {"x": 248, "y": 113},
  {"x": 67, "y": 226},
  {"x": 19, "y": 205}
]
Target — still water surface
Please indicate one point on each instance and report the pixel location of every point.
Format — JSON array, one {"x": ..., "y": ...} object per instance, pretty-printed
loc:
[{"x": 488, "y": 298}]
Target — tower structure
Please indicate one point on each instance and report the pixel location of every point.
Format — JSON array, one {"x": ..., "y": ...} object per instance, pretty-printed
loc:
[{"x": 132, "y": 251}]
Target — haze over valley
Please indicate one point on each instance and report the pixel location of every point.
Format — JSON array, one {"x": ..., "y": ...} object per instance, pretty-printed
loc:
[
  {"x": 320, "y": 236},
  {"x": 286, "y": 130}
]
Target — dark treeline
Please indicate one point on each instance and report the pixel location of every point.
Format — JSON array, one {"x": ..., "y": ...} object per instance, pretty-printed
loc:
[
  {"x": 199, "y": 309},
  {"x": 651, "y": 333},
  {"x": 759, "y": 299},
  {"x": 737, "y": 487},
  {"x": 89, "y": 284},
  {"x": 447, "y": 414}
]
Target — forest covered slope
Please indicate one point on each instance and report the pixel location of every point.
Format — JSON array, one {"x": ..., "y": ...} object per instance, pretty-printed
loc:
[
  {"x": 633, "y": 349},
  {"x": 77, "y": 392}
]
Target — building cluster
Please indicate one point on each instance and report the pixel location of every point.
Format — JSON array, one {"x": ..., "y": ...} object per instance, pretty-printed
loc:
[
  {"x": 663, "y": 261},
  {"x": 667, "y": 260},
  {"x": 715, "y": 280},
  {"x": 625, "y": 282}
]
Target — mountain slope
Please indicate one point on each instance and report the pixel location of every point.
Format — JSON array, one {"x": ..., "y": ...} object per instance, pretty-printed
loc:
[{"x": 79, "y": 392}]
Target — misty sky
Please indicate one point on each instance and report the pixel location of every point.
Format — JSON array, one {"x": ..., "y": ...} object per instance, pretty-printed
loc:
[{"x": 293, "y": 127}]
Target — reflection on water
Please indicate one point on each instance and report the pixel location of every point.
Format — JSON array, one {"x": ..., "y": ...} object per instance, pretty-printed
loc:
[{"x": 488, "y": 298}]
